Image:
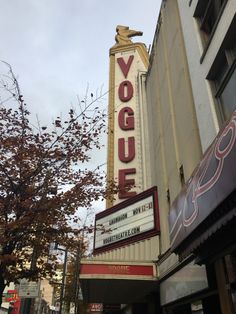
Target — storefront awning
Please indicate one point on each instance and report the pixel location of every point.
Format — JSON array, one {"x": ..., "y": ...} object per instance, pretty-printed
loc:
[
  {"x": 116, "y": 282},
  {"x": 219, "y": 236}
]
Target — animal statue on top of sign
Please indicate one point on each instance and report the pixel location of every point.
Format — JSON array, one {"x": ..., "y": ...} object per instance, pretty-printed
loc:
[{"x": 124, "y": 33}]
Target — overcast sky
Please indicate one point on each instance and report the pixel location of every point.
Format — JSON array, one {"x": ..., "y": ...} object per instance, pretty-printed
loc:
[{"x": 58, "y": 47}]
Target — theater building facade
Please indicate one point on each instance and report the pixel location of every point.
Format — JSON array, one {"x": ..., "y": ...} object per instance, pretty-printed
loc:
[
  {"x": 171, "y": 245},
  {"x": 122, "y": 272}
]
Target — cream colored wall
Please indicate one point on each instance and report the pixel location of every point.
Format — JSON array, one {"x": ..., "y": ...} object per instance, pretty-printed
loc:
[
  {"x": 172, "y": 118},
  {"x": 205, "y": 103},
  {"x": 144, "y": 134},
  {"x": 145, "y": 250}
]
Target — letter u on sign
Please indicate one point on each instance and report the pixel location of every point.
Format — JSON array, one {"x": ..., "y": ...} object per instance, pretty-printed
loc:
[{"x": 131, "y": 149}]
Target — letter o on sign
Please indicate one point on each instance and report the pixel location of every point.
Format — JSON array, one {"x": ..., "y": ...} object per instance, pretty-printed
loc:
[{"x": 125, "y": 91}]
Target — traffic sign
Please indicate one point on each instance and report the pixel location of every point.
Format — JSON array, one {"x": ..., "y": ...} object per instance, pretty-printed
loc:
[{"x": 29, "y": 289}]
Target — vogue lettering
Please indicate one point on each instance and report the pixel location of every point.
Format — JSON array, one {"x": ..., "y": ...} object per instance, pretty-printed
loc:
[
  {"x": 125, "y": 91},
  {"x": 119, "y": 269},
  {"x": 123, "y": 156},
  {"x": 125, "y": 183},
  {"x": 125, "y": 66},
  {"x": 126, "y": 119},
  {"x": 126, "y": 122}
]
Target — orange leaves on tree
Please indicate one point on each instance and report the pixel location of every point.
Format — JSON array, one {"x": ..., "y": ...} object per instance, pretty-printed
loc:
[{"x": 43, "y": 182}]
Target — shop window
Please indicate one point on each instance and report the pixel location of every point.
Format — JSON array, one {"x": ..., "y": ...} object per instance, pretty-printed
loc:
[
  {"x": 208, "y": 13},
  {"x": 211, "y": 304},
  {"x": 196, "y": 307},
  {"x": 228, "y": 96},
  {"x": 223, "y": 75},
  {"x": 183, "y": 309},
  {"x": 230, "y": 264}
]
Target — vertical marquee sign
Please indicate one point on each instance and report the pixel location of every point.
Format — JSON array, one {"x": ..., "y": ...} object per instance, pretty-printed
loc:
[{"x": 127, "y": 62}]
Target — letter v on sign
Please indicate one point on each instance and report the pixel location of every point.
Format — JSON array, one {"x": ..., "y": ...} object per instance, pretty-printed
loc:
[{"x": 125, "y": 66}]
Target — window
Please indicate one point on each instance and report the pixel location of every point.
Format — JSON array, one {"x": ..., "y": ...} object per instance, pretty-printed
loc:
[
  {"x": 223, "y": 74},
  {"x": 181, "y": 175},
  {"x": 228, "y": 96},
  {"x": 208, "y": 13}
]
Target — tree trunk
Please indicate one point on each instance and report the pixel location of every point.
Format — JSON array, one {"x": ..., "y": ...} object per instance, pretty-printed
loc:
[{"x": 2, "y": 285}]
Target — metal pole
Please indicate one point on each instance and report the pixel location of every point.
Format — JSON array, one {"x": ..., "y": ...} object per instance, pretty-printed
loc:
[
  {"x": 76, "y": 284},
  {"x": 28, "y": 301},
  {"x": 63, "y": 281}
]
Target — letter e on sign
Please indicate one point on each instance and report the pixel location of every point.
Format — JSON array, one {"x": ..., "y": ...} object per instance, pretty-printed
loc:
[{"x": 125, "y": 183}]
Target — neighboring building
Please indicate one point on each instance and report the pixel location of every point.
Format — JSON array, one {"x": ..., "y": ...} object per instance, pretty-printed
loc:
[
  {"x": 11, "y": 300},
  {"x": 183, "y": 142},
  {"x": 202, "y": 217},
  {"x": 46, "y": 296}
]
